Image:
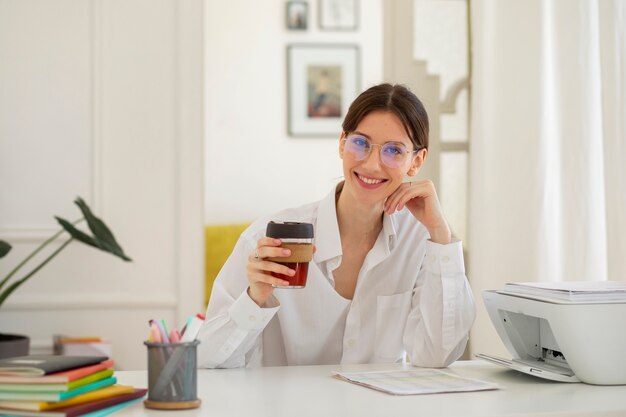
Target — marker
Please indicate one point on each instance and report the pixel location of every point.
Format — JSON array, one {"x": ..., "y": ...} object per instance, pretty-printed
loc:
[
  {"x": 174, "y": 336},
  {"x": 192, "y": 329},
  {"x": 155, "y": 333},
  {"x": 164, "y": 337}
]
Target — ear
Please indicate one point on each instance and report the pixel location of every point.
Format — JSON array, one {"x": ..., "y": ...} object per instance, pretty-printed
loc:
[
  {"x": 341, "y": 144},
  {"x": 418, "y": 161}
]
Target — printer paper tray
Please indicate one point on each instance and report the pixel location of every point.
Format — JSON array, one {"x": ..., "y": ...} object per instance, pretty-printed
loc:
[{"x": 534, "y": 368}]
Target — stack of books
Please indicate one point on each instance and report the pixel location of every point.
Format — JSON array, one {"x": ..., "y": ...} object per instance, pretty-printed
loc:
[{"x": 62, "y": 386}]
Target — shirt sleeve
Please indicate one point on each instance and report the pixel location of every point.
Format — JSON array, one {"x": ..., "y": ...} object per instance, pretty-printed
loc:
[
  {"x": 442, "y": 308},
  {"x": 234, "y": 322}
]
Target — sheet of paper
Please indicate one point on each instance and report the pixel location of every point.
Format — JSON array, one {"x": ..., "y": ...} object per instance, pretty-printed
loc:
[
  {"x": 575, "y": 291},
  {"x": 415, "y": 381}
]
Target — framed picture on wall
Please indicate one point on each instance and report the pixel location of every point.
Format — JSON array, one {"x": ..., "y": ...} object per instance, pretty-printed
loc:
[
  {"x": 297, "y": 15},
  {"x": 338, "y": 14},
  {"x": 322, "y": 81}
]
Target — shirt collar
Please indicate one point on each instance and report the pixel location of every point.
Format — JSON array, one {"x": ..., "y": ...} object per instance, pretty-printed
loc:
[
  {"x": 327, "y": 230},
  {"x": 389, "y": 230}
]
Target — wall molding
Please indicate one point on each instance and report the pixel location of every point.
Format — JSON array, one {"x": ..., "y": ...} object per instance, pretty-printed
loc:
[
  {"x": 28, "y": 234},
  {"x": 96, "y": 105},
  {"x": 89, "y": 302}
]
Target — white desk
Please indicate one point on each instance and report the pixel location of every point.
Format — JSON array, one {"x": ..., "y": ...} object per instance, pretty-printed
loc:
[{"x": 302, "y": 391}]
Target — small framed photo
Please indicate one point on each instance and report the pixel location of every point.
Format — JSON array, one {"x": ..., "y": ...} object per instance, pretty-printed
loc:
[
  {"x": 338, "y": 14},
  {"x": 297, "y": 15},
  {"x": 322, "y": 82}
]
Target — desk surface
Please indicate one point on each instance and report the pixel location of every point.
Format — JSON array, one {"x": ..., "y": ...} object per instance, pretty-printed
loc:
[{"x": 301, "y": 391}]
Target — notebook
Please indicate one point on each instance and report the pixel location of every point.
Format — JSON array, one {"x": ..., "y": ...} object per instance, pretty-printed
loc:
[{"x": 37, "y": 365}]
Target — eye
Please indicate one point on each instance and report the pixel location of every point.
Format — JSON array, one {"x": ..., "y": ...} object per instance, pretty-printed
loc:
[
  {"x": 394, "y": 149},
  {"x": 359, "y": 141}
]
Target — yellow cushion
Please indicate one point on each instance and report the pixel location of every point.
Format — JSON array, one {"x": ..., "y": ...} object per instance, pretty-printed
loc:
[{"x": 219, "y": 241}]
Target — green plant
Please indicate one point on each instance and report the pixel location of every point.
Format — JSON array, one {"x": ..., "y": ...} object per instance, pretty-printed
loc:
[{"x": 102, "y": 239}]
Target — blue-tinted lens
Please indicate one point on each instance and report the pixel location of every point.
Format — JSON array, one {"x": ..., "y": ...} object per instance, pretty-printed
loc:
[
  {"x": 393, "y": 154},
  {"x": 358, "y": 146}
]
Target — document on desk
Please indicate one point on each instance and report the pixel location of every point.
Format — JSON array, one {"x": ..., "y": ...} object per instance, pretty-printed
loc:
[{"x": 415, "y": 381}]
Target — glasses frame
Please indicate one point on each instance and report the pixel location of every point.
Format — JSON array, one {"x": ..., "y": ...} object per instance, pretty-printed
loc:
[{"x": 368, "y": 151}]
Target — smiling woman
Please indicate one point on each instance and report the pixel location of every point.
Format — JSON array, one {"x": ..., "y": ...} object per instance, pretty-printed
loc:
[{"x": 386, "y": 281}]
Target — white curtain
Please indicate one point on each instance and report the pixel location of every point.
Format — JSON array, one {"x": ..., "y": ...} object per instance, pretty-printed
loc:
[{"x": 548, "y": 146}]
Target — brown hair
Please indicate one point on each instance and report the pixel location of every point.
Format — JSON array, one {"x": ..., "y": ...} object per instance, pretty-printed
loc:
[{"x": 397, "y": 99}]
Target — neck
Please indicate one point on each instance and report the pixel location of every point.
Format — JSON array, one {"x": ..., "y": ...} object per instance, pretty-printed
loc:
[{"x": 357, "y": 220}]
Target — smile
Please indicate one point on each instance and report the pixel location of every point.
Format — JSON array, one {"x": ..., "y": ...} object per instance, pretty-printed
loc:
[{"x": 369, "y": 181}]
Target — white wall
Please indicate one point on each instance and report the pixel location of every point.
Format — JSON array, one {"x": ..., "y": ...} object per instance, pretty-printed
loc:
[
  {"x": 102, "y": 99},
  {"x": 252, "y": 166}
]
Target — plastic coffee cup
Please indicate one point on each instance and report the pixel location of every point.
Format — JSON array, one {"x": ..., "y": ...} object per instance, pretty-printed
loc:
[
  {"x": 172, "y": 376},
  {"x": 298, "y": 238}
]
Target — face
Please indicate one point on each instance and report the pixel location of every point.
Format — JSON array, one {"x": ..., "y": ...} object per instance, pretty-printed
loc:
[{"x": 370, "y": 180}]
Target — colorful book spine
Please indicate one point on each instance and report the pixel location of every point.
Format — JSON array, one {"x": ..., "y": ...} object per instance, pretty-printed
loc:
[
  {"x": 107, "y": 392},
  {"x": 109, "y": 410},
  {"x": 39, "y": 365},
  {"x": 103, "y": 404},
  {"x": 56, "y": 387},
  {"x": 57, "y": 396},
  {"x": 58, "y": 377}
]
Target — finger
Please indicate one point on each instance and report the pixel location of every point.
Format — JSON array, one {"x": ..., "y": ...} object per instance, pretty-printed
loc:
[
  {"x": 389, "y": 202},
  {"x": 273, "y": 252},
  {"x": 419, "y": 189},
  {"x": 266, "y": 279},
  {"x": 268, "y": 241},
  {"x": 269, "y": 266},
  {"x": 394, "y": 199}
]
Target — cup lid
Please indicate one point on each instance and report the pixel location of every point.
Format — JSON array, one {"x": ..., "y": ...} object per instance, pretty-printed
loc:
[{"x": 292, "y": 230}]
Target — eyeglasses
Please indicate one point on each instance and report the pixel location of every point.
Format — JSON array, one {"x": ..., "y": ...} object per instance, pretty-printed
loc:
[{"x": 392, "y": 154}]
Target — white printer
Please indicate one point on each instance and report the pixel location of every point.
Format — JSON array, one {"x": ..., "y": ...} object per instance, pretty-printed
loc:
[{"x": 572, "y": 332}]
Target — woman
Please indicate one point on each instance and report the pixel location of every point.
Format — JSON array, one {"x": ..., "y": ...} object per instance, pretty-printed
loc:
[{"x": 386, "y": 279}]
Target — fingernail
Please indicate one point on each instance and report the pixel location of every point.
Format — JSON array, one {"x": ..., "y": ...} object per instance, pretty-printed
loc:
[
  {"x": 292, "y": 272},
  {"x": 285, "y": 283},
  {"x": 277, "y": 241},
  {"x": 286, "y": 252}
]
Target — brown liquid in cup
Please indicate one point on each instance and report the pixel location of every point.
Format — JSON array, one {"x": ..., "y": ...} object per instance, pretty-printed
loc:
[
  {"x": 299, "y": 279},
  {"x": 301, "y": 255}
]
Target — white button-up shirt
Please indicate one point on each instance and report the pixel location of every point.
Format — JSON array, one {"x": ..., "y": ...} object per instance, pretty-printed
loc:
[{"x": 411, "y": 297}]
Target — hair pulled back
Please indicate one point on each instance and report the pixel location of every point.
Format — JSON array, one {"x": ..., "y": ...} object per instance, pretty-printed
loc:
[{"x": 396, "y": 99}]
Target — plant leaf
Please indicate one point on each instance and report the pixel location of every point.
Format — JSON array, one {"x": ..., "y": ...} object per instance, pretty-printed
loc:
[
  {"x": 101, "y": 233},
  {"x": 4, "y": 248},
  {"x": 77, "y": 234}
]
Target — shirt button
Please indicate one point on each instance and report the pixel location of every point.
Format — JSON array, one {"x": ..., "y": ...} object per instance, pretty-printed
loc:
[
  {"x": 434, "y": 258},
  {"x": 252, "y": 318},
  {"x": 351, "y": 343},
  {"x": 445, "y": 259}
]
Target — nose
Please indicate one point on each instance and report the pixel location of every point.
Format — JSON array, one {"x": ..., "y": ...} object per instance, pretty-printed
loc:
[{"x": 372, "y": 159}]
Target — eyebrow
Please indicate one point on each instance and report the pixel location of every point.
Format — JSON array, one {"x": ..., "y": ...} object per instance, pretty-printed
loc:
[{"x": 356, "y": 132}]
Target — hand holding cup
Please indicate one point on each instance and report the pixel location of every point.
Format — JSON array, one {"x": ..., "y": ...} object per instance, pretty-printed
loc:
[
  {"x": 259, "y": 271},
  {"x": 280, "y": 260}
]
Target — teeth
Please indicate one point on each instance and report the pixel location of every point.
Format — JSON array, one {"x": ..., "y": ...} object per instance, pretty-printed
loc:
[{"x": 369, "y": 180}]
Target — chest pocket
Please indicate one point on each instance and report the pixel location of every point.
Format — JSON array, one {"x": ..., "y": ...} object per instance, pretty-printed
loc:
[{"x": 392, "y": 312}]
